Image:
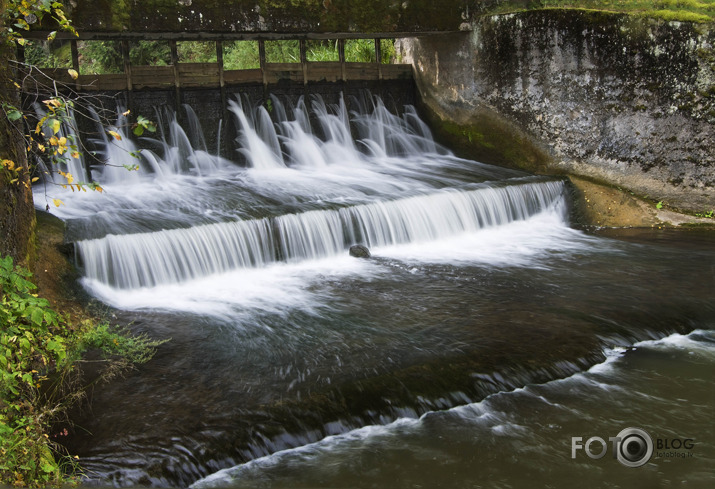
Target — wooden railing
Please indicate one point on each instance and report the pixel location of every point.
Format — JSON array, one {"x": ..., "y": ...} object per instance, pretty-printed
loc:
[{"x": 206, "y": 75}]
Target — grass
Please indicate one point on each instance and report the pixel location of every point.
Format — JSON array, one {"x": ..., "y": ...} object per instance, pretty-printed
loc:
[{"x": 699, "y": 11}]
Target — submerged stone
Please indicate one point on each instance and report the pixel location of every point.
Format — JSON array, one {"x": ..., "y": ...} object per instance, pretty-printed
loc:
[{"x": 359, "y": 251}]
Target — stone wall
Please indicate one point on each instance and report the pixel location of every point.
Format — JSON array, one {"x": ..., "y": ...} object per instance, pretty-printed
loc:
[{"x": 623, "y": 100}]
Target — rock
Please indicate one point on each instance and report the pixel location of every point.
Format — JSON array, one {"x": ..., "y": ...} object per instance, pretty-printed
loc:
[{"x": 359, "y": 251}]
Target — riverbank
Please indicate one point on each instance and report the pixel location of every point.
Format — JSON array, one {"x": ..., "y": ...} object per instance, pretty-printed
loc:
[{"x": 49, "y": 333}]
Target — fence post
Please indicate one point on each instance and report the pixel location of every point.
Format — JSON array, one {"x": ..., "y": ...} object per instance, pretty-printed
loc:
[
  {"x": 378, "y": 58},
  {"x": 341, "y": 57},
  {"x": 303, "y": 62}
]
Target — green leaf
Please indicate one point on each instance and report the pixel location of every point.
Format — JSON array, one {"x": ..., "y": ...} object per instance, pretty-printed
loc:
[
  {"x": 14, "y": 114},
  {"x": 55, "y": 125},
  {"x": 50, "y": 317},
  {"x": 36, "y": 316}
]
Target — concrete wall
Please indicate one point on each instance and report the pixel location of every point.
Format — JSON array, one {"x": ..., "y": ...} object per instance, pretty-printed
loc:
[{"x": 623, "y": 100}]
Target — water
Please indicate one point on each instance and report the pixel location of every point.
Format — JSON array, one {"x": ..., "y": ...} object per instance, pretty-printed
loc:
[{"x": 481, "y": 337}]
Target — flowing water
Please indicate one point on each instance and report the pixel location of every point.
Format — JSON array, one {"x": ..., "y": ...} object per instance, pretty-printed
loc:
[{"x": 480, "y": 337}]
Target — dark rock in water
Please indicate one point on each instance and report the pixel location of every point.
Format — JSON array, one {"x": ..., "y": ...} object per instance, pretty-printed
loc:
[{"x": 359, "y": 251}]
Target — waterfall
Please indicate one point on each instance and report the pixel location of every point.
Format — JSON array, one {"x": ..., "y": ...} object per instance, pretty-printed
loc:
[{"x": 170, "y": 256}]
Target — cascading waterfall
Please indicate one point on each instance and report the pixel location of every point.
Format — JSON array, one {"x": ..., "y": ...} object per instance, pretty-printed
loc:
[{"x": 150, "y": 259}]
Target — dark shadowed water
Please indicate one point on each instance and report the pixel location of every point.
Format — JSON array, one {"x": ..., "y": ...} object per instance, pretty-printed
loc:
[{"x": 480, "y": 338}]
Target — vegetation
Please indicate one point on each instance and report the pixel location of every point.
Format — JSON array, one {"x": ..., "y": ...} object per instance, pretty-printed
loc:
[
  {"x": 40, "y": 351},
  {"x": 677, "y": 10}
]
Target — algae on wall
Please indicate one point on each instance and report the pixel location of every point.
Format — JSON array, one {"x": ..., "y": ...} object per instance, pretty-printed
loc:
[{"x": 621, "y": 99}]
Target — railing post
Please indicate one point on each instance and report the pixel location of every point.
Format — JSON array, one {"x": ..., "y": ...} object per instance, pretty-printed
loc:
[
  {"x": 219, "y": 61},
  {"x": 303, "y": 62},
  {"x": 341, "y": 57},
  {"x": 75, "y": 59},
  {"x": 127, "y": 64},
  {"x": 378, "y": 58},
  {"x": 262, "y": 60},
  {"x": 175, "y": 64},
  {"x": 222, "y": 85}
]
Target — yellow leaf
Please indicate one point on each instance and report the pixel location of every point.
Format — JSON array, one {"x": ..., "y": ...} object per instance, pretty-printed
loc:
[
  {"x": 34, "y": 179},
  {"x": 57, "y": 202},
  {"x": 75, "y": 154},
  {"x": 99, "y": 189},
  {"x": 115, "y": 135},
  {"x": 69, "y": 178},
  {"x": 56, "y": 126},
  {"x": 73, "y": 74},
  {"x": 123, "y": 113}
]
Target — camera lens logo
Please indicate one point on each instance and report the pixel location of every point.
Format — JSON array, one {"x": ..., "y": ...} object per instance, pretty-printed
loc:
[{"x": 635, "y": 447}]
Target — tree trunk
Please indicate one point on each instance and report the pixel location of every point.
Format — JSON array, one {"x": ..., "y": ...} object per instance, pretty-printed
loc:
[{"x": 17, "y": 212}]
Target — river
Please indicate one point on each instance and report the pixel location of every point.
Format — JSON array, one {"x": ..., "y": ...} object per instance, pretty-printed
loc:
[{"x": 483, "y": 344}]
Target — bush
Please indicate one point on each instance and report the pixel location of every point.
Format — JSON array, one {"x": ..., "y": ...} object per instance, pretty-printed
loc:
[{"x": 39, "y": 352}]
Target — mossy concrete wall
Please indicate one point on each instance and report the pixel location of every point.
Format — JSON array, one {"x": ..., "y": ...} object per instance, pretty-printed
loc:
[
  {"x": 624, "y": 100},
  {"x": 271, "y": 16}
]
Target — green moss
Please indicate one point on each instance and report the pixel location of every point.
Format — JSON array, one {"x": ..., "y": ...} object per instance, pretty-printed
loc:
[
  {"x": 489, "y": 139},
  {"x": 669, "y": 10},
  {"x": 678, "y": 15}
]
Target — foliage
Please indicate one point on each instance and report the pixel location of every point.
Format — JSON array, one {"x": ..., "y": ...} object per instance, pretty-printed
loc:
[
  {"x": 241, "y": 55},
  {"x": 39, "y": 352},
  {"x": 196, "y": 51},
  {"x": 50, "y": 139},
  {"x": 97, "y": 57},
  {"x": 18, "y": 15},
  {"x": 152, "y": 53},
  {"x": 32, "y": 344}
]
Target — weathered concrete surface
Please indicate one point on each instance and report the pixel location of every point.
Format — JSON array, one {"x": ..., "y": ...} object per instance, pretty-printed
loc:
[
  {"x": 272, "y": 16},
  {"x": 623, "y": 100}
]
